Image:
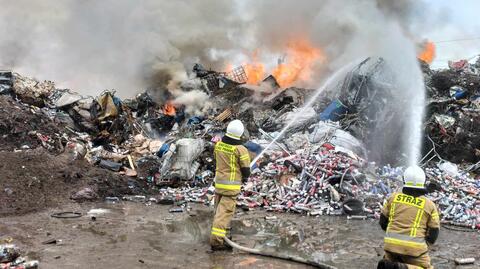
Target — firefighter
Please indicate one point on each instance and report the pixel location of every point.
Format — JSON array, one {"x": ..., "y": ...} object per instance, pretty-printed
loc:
[
  {"x": 232, "y": 169},
  {"x": 411, "y": 223}
]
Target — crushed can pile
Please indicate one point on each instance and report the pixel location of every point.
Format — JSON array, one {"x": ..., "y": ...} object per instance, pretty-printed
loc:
[
  {"x": 320, "y": 166},
  {"x": 457, "y": 196}
]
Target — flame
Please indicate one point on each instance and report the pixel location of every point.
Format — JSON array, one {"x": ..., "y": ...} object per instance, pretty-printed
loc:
[
  {"x": 300, "y": 58},
  {"x": 229, "y": 67},
  {"x": 428, "y": 53},
  {"x": 255, "y": 70},
  {"x": 169, "y": 109},
  {"x": 297, "y": 64}
]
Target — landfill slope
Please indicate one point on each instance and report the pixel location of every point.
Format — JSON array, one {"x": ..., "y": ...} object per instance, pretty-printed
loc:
[
  {"x": 18, "y": 122},
  {"x": 35, "y": 180},
  {"x": 452, "y": 122},
  {"x": 36, "y": 172}
]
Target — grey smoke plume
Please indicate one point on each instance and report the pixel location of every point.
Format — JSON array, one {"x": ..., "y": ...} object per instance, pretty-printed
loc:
[
  {"x": 195, "y": 101},
  {"x": 122, "y": 44},
  {"x": 130, "y": 45},
  {"x": 92, "y": 45}
]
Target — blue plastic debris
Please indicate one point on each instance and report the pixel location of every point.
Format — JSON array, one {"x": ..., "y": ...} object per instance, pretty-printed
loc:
[
  {"x": 334, "y": 111},
  {"x": 458, "y": 92},
  {"x": 163, "y": 149},
  {"x": 195, "y": 120},
  {"x": 253, "y": 147}
]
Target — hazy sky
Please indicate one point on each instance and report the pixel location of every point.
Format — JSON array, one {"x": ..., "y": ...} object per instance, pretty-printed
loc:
[{"x": 454, "y": 20}]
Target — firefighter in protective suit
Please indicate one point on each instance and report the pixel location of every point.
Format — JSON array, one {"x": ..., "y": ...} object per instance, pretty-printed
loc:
[
  {"x": 411, "y": 223},
  {"x": 232, "y": 169}
]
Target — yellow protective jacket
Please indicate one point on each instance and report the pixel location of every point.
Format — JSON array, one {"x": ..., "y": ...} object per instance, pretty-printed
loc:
[
  {"x": 409, "y": 218},
  {"x": 230, "y": 159}
]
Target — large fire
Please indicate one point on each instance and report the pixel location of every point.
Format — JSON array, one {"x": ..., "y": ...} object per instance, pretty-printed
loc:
[
  {"x": 300, "y": 57},
  {"x": 169, "y": 109},
  {"x": 255, "y": 70},
  {"x": 428, "y": 53}
]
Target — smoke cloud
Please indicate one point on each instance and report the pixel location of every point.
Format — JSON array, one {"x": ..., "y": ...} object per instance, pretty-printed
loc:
[
  {"x": 121, "y": 44},
  {"x": 131, "y": 46},
  {"x": 93, "y": 45},
  {"x": 196, "y": 101}
]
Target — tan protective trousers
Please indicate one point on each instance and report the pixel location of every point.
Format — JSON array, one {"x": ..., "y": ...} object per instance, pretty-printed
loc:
[
  {"x": 422, "y": 261},
  {"x": 224, "y": 210}
]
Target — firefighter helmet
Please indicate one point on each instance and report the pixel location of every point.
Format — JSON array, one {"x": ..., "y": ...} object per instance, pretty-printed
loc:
[
  {"x": 235, "y": 129},
  {"x": 414, "y": 177}
]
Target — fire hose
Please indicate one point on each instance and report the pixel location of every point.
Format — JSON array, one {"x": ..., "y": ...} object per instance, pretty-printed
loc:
[{"x": 278, "y": 255}]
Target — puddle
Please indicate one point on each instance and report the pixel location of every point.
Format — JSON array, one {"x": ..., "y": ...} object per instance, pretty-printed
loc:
[
  {"x": 280, "y": 236},
  {"x": 97, "y": 211}
]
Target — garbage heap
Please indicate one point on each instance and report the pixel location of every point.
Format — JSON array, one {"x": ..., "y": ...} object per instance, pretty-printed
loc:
[
  {"x": 318, "y": 167},
  {"x": 10, "y": 258},
  {"x": 453, "y": 115},
  {"x": 329, "y": 180},
  {"x": 317, "y": 180}
]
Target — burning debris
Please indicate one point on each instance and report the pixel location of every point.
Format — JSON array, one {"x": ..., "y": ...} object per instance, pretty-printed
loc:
[{"x": 320, "y": 166}]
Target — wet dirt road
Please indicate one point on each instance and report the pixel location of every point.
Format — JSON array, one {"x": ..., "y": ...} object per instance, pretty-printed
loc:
[{"x": 132, "y": 235}]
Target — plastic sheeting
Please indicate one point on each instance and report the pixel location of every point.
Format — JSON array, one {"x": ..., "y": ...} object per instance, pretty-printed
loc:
[
  {"x": 327, "y": 132},
  {"x": 63, "y": 98},
  {"x": 184, "y": 165}
]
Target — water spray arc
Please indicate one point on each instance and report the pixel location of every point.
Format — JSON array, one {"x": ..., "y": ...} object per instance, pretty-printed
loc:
[{"x": 327, "y": 83}]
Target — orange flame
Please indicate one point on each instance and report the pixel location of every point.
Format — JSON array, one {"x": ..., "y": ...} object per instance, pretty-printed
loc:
[
  {"x": 300, "y": 58},
  {"x": 169, "y": 109},
  {"x": 297, "y": 64},
  {"x": 428, "y": 53},
  {"x": 255, "y": 71}
]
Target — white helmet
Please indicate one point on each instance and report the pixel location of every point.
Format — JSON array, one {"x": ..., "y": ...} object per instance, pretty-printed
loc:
[
  {"x": 235, "y": 129},
  {"x": 414, "y": 177}
]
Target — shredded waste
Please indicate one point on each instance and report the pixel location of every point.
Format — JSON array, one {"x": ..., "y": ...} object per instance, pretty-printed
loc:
[
  {"x": 323, "y": 165},
  {"x": 10, "y": 258}
]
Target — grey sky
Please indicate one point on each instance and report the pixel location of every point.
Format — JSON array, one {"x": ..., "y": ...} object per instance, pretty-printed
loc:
[{"x": 454, "y": 20}]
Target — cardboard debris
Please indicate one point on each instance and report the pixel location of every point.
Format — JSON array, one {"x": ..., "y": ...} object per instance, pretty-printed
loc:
[{"x": 319, "y": 166}]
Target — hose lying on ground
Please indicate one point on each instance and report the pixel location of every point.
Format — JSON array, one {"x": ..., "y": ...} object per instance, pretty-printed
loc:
[{"x": 278, "y": 255}]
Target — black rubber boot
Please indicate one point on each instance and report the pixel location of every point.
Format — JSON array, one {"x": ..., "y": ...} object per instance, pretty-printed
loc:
[
  {"x": 384, "y": 264},
  {"x": 227, "y": 246},
  {"x": 218, "y": 248}
]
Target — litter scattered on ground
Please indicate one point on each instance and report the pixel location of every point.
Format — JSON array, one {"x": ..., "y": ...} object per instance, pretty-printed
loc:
[
  {"x": 322, "y": 165},
  {"x": 10, "y": 258},
  {"x": 463, "y": 261}
]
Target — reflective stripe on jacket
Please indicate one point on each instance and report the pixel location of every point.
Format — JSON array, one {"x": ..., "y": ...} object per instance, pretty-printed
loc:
[
  {"x": 409, "y": 218},
  {"x": 229, "y": 161}
]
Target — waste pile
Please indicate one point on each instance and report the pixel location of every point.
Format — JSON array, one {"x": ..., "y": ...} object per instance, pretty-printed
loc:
[
  {"x": 456, "y": 194},
  {"x": 452, "y": 127},
  {"x": 10, "y": 258},
  {"x": 320, "y": 166}
]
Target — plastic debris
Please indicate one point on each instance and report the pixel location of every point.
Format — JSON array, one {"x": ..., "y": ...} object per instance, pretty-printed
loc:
[
  {"x": 449, "y": 168},
  {"x": 10, "y": 258},
  {"x": 463, "y": 261},
  {"x": 318, "y": 167},
  {"x": 85, "y": 194}
]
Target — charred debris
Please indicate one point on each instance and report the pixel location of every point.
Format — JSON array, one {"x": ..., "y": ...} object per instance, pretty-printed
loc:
[{"x": 339, "y": 157}]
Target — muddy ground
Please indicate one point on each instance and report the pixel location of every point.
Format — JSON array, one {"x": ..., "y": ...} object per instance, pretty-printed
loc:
[
  {"x": 33, "y": 180},
  {"x": 36, "y": 172},
  {"x": 18, "y": 122},
  {"x": 133, "y": 235}
]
